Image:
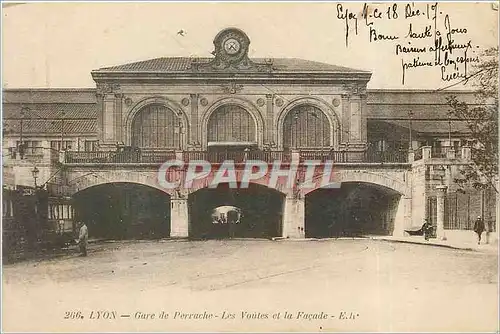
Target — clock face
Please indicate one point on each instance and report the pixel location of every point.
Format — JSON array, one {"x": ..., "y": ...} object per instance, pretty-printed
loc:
[{"x": 232, "y": 46}]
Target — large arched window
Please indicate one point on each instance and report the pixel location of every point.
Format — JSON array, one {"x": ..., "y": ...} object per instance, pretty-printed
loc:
[
  {"x": 232, "y": 124},
  {"x": 156, "y": 126},
  {"x": 306, "y": 126}
]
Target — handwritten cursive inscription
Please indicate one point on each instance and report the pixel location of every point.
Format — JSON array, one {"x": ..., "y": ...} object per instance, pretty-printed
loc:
[{"x": 431, "y": 39}]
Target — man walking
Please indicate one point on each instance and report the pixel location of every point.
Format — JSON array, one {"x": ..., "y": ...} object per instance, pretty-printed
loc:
[
  {"x": 426, "y": 229},
  {"x": 83, "y": 239},
  {"x": 479, "y": 228}
]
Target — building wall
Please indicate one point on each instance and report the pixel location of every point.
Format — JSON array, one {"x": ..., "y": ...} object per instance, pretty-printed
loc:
[{"x": 268, "y": 105}]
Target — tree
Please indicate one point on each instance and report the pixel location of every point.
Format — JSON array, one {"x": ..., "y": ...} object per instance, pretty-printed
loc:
[{"x": 482, "y": 122}]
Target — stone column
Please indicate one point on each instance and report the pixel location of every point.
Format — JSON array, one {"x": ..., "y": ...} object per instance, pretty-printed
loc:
[
  {"x": 108, "y": 123},
  {"x": 269, "y": 125},
  {"x": 293, "y": 218},
  {"x": 194, "y": 118},
  {"x": 402, "y": 217},
  {"x": 118, "y": 126},
  {"x": 345, "y": 127},
  {"x": 356, "y": 124},
  {"x": 440, "y": 212},
  {"x": 179, "y": 220}
]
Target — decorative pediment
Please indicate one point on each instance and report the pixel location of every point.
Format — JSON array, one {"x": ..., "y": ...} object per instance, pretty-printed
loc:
[{"x": 231, "y": 55}]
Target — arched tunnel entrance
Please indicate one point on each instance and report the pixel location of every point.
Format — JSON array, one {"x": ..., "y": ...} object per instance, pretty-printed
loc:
[
  {"x": 354, "y": 209},
  {"x": 222, "y": 212},
  {"x": 124, "y": 211}
]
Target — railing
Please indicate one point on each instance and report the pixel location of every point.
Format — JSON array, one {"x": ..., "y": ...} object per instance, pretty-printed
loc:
[
  {"x": 400, "y": 156},
  {"x": 439, "y": 152},
  {"x": 444, "y": 152},
  {"x": 237, "y": 157},
  {"x": 195, "y": 155},
  {"x": 37, "y": 154},
  {"x": 270, "y": 156},
  {"x": 153, "y": 156},
  {"x": 160, "y": 156},
  {"x": 335, "y": 156}
]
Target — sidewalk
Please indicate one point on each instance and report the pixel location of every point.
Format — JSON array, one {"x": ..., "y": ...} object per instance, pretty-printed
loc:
[{"x": 483, "y": 247}]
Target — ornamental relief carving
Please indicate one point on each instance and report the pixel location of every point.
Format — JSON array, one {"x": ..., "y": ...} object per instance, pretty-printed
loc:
[
  {"x": 107, "y": 88},
  {"x": 354, "y": 89}
]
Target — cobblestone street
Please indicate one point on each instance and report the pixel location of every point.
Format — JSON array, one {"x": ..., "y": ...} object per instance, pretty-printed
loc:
[{"x": 343, "y": 285}]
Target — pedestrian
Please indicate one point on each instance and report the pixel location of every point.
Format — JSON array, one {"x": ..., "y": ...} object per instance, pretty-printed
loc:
[
  {"x": 479, "y": 228},
  {"x": 488, "y": 227},
  {"x": 426, "y": 229},
  {"x": 83, "y": 239}
]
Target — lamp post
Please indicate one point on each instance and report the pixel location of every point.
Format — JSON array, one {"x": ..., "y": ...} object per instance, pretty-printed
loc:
[
  {"x": 449, "y": 132},
  {"x": 35, "y": 171},
  {"x": 440, "y": 210},
  {"x": 410, "y": 118},
  {"x": 21, "y": 147}
]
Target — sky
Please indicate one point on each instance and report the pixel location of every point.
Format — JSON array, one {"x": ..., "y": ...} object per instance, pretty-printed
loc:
[{"x": 57, "y": 45}]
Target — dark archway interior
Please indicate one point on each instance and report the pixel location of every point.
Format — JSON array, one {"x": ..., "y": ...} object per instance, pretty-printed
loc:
[
  {"x": 124, "y": 211},
  {"x": 261, "y": 212},
  {"x": 354, "y": 209}
]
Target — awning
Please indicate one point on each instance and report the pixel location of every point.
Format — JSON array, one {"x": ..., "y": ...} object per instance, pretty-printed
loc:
[{"x": 420, "y": 126}]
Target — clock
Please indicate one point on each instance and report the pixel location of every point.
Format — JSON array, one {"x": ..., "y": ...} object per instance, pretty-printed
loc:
[{"x": 232, "y": 46}]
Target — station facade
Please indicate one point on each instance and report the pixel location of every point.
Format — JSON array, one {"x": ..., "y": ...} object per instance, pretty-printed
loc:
[{"x": 395, "y": 153}]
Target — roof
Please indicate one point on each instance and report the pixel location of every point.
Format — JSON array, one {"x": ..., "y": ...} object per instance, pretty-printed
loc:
[
  {"x": 49, "y": 95},
  {"x": 46, "y": 118},
  {"x": 183, "y": 64},
  {"x": 50, "y": 110},
  {"x": 42, "y": 126}
]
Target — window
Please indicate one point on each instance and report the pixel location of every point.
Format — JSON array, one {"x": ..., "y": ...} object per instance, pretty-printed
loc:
[
  {"x": 30, "y": 147},
  {"x": 90, "y": 145},
  {"x": 60, "y": 211},
  {"x": 156, "y": 126},
  {"x": 231, "y": 123},
  {"x": 306, "y": 126},
  {"x": 7, "y": 210},
  {"x": 56, "y": 145}
]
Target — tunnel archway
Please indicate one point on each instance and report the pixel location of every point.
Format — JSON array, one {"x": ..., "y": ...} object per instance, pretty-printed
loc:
[
  {"x": 354, "y": 209},
  {"x": 258, "y": 212},
  {"x": 124, "y": 210}
]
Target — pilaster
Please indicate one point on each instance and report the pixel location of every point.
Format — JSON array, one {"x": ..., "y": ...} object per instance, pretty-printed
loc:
[
  {"x": 179, "y": 221},
  {"x": 440, "y": 212},
  {"x": 294, "y": 217},
  {"x": 269, "y": 125},
  {"x": 194, "y": 118}
]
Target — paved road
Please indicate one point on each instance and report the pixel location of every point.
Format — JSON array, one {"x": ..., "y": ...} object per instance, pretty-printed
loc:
[{"x": 344, "y": 285}]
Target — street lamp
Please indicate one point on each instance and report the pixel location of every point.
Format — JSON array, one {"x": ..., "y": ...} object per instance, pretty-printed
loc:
[
  {"x": 35, "y": 171},
  {"x": 62, "y": 129},
  {"x": 21, "y": 147},
  {"x": 449, "y": 132},
  {"x": 410, "y": 118}
]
